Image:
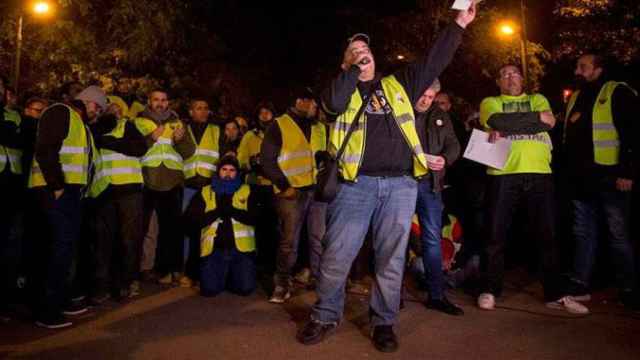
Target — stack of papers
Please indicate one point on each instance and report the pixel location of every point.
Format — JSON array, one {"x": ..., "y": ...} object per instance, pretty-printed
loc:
[{"x": 481, "y": 150}]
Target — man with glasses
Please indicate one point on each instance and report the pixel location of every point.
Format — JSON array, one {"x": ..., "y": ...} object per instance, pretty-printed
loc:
[{"x": 524, "y": 182}]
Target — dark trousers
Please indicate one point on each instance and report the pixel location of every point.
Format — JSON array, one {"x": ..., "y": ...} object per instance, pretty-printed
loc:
[
  {"x": 266, "y": 228},
  {"x": 54, "y": 248},
  {"x": 532, "y": 193},
  {"x": 292, "y": 214},
  {"x": 118, "y": 239},
  {"x": 170, "y": 249},
  {"x": 228, "y": 269},
  {"x": 10, "y": 244}
]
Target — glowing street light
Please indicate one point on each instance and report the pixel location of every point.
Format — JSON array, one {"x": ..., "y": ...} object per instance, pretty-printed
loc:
[
  {"x": 39, "y": 8},
  {"x": 508, "y": 29},
  {"x": 400, "y": 57}
]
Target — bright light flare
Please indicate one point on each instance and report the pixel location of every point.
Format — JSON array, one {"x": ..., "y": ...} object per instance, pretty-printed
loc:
[{"x": 41, "y": 8}]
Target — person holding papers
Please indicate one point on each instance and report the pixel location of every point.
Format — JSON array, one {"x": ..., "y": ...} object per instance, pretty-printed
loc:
[{"x": 524, "y": 181}]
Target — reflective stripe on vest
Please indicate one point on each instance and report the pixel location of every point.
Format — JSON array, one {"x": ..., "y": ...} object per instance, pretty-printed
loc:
[
  {"x": 296, "y": 159},
  {"x": 73, "y": 155},
  {"x": 162, "y": 151},
  {"x": 250, "y": 147},
  {"x": 115, "y": 168},
  {"x": 203, "y": 162},
  {"x": 244, "y": 235},
  {"x": 8, "y": 154},
  {"x": 405, "y": 119},
  {"x": 606, "y": 140}
]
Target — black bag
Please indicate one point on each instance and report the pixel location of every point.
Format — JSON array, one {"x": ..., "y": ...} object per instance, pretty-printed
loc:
[{"x": 327, "y": 177}]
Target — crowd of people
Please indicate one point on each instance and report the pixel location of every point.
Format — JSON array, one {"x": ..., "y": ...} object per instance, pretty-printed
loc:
[{"x": 102, "y": 193}]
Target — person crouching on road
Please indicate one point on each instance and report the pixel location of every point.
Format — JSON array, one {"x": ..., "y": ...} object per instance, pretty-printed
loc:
[{"x": 224, "y": 214}]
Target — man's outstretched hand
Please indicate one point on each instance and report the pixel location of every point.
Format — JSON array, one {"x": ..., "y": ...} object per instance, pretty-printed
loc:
[{"x": 465, "y": 17}]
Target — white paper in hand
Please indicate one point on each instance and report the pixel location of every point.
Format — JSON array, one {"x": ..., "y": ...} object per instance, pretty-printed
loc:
[
  {"x": 462, "y": 5},
  {"x": 481, "y": 150}
]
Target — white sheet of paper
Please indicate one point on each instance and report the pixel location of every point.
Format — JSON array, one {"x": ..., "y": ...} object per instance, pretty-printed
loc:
[
  {"x": 462, "y": 4},
  {"x": 482, "y": 151}
]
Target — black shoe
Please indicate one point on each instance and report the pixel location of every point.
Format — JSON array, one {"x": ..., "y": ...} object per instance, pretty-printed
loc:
[
  {"x": 314, "y": 332},
  {"x": 578, "y": 291},
  {"x": 445, "y": 306},
  {"x": 384, "y": 338},
  {"x": 75, "y": 308},
  {"x": 98, "y": 300},
  {"x": 630, "y": 300},
  {"x": 55, "y": 322}
]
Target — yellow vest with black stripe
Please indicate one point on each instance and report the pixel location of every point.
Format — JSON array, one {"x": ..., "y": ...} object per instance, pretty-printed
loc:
[
  {"x": 403, "y": 113},
  {"x": 162, "y": 151},
  {"x": 250, "y": 146},
  {"x": 203, "y": 162},
  {"x": 243, "y": 234},
  {"x": 112, "y": 167},
  {"x": 606, "y": 141},
  {"x": 296, "y": 158},
  {"x": 74, "y": 154},
  {"x": 10, "y": 155}
]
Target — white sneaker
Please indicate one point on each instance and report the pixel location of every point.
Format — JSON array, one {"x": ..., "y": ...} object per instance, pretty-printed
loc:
[
  {"x": 486, "y": 301},
  {"x": 280, "y": 295},
  {"x": 569, "y": 305}
]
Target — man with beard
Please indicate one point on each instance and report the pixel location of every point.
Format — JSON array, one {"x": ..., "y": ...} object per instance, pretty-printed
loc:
[
  {"x": 261, "y": 187},
  {"x": 598, "y": 138},
  {"x": 61, "y": 169},
  {"x": 223, "y": 214},
  {"x": 288, "y": 160},
  {"x": 198, "y": 170},
  {"x": 162, "y": 169},
  {"x": 525, "y": 181}
]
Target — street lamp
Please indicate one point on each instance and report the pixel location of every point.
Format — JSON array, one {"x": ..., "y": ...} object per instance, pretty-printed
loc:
[
  {"x": 508, "y": 29},
  {"x": 40, "y": 8}
]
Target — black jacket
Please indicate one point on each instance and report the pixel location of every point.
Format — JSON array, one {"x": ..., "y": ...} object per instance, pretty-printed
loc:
[
  {"x": 437, "y": 137},
  {"x": 386, "y": 151}
]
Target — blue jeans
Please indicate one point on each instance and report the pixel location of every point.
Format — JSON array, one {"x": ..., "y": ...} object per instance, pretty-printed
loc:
[
  {"x": 386, "y": 205},
  {"x": 614, "y": 207},
  {"x": 429, "y": 208},
  {"x": 62, "y": 219},
  {"x": 316, "y": 228},
  {"x": 228, "y": 269}
]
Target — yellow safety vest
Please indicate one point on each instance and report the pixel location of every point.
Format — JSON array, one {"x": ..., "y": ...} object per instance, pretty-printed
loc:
[
  {"x": 250, "y": 146},
  {"x": 403, "y": 113},
  {"x": 74, "y": 154},
  {"x": 606, "y": 141},
  {"x": 112, "y": 167},
  {"x": 162, "y": 151},
  {"x": 11, "y": 155},
  {"x": 243, "y": 234},
  {"x": 203, "y": 162},
  {"x": 296, "y": 159}
]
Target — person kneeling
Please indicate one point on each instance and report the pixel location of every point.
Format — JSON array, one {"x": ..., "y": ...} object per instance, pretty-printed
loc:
[{"x": 224, "y": 215}]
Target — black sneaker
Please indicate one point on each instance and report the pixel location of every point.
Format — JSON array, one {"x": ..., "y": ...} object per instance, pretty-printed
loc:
[
  {"x": 75, "y": 308},
  {"x": 98, "y": 300},
  {"x": 56, "y": 322},
  {"x": 314, "y": 332},
  {"x": 384, "y": 339},
  {"x": 445, "y": 306}
]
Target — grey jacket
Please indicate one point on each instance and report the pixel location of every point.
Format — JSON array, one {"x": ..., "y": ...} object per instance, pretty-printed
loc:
[{"x": 437, "y": 137}]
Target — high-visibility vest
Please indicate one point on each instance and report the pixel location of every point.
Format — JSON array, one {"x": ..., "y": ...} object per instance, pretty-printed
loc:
[
  {"x": 112, "y": 167},
  {"x": 162, "y": 151},
  {"x": 203, "y": 162},
  {"x": 250, "y": 146},
  {"x": 606, "y": 141},
  {"x": 8, "y": 154},
  {"x": 403, "y": 113},
  {"x": 244, "y": 235},
  {"x": 74, "y": 154},
  {"x": 297, "y": 155}
]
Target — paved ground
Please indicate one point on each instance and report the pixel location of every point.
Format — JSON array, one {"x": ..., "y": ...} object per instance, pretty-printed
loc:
[{"x": 179, "y": 324}]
